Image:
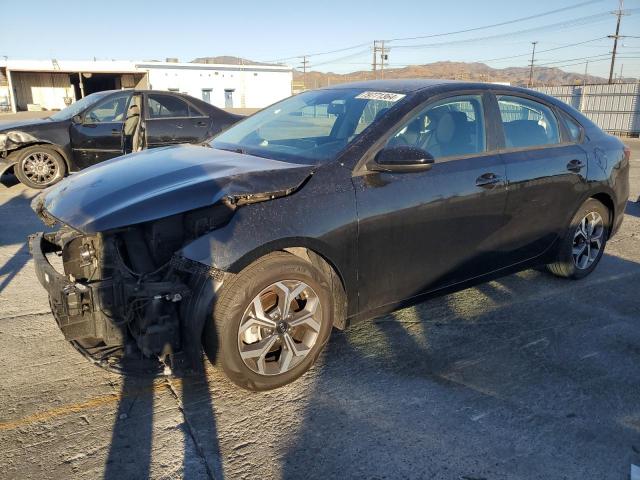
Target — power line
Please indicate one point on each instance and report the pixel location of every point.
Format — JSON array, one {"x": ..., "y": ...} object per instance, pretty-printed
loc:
[
  {"x": 484, "y": 27},
  {"x": 508, "y": 22},
  {"x": 316, "y": 54},
  {"x": 543, "y": 51},
  {"x": 572, "y": 59},
  {"x": 580, "y": 21}
]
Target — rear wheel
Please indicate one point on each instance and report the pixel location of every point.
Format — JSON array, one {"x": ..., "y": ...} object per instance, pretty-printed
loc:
[
  {"x": 39, "y": 166},
  {"x": 583, "y": 245},
  {"x": 271, "y": 322}
]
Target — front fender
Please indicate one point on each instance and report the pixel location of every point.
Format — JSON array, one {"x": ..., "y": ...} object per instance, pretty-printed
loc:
[{"x": 321, "y": 217}]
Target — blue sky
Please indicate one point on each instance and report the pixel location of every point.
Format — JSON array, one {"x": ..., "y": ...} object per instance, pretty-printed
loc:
[{"x": 268, "y": 30}]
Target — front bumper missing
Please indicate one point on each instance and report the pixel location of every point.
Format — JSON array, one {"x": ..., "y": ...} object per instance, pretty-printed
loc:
[
  {"x": 74, "y": 305},
  {"x": 76, "y": 308}
]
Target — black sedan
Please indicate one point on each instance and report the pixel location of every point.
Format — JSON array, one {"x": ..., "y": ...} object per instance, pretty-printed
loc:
[
  {"x": 101, "y": 126},
  {"x": 330, "y": 207}
]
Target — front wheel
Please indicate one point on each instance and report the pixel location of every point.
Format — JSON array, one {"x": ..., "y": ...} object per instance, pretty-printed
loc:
[
  {"x": 271, "y": 322},
  {"x": 583, "y": 245},
  {"x": 39, "y": 166}
]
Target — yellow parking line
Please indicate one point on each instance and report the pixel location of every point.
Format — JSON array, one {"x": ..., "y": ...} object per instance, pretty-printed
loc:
[{"x": 77, "y": 407}]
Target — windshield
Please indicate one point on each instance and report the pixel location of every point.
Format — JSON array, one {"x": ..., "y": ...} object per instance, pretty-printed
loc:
[
  {"x": 311, "y": 127},
  {"x": 77, "y": 107}
]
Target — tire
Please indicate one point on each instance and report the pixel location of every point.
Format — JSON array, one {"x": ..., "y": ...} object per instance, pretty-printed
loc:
[
  {"x": 39, "y": 166},
  {"x": 568, "y": 265},
  {"x": 236, "y": 307}
]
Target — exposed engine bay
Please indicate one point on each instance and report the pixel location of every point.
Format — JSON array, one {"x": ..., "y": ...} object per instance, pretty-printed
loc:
[{"x": 125, "y": 291}]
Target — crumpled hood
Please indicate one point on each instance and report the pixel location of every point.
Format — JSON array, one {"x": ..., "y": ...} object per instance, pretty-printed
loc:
[
  {"x": 161, "y": 182},
  {"x": 14, "y": 133},
  {"x": 6, "y": 125}
]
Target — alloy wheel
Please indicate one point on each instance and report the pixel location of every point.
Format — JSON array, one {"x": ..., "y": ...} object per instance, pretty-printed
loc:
[
  {"x": 587, "y": 240},
  {"x": 40, "y": 168},
  {"x": 279, "y": 327}
]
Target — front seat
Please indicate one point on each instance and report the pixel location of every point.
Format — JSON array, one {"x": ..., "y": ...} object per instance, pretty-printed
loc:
[
  {"x": 132, "y": 129},
  {"x": 452, "y": 136}
]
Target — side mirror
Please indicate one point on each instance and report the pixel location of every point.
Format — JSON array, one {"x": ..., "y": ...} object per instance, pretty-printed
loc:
[
  {"x": 402, "y": 159},
  {"x": 76, "y": 119}
]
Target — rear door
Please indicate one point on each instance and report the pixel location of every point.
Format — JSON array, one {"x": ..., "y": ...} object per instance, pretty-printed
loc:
[
  {"x": 546, "y": 171},
  {"x": 171, "y": 119},
  {"x": 99, "y": 136},
  {"x": 419, "y": 231}
]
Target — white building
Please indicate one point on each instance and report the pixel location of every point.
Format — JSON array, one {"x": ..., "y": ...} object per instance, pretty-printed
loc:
[{"x": 53, "y": 84}]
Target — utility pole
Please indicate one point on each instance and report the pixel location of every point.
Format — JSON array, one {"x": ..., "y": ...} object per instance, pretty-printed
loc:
[
  {"x": 305, "y": 64},
  {"x": 533, "y": 56},
  {"x": 383, "y": 57},
  {"x": 615, "y": 39},
  {"x": 378, "y": 46},
  {"x": 375, "y": 58},
  {"x": 586, "y": 68},
  {"x": 620, "y": 77}
]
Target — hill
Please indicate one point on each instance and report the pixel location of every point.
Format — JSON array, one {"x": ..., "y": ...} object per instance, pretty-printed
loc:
[{"x": 454, "y": 70}]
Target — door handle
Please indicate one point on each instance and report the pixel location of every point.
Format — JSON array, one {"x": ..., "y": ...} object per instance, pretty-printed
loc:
[
  {"x": 201, "y": 124},
  {"x": 488, "y": 180},
  {"x": 115, "y": 132},
  {"x": 575, "y": 166}
]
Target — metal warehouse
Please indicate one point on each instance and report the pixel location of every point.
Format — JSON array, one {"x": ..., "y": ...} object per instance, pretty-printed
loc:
[{"x": 53, "y": 84}]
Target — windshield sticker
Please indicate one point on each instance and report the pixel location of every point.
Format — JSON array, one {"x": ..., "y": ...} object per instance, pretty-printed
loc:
[{"x": 386, "y": 96}]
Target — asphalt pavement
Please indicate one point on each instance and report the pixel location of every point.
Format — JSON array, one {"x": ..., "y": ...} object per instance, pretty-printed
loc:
[{"x": 526, "y": 377}]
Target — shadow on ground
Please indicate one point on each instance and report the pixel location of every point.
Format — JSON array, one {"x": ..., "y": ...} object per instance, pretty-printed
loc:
[
  {"x": 17, "y": 221},
  {"x": 483, "y": 385},
  {"x": 633, "y": 208},
  {"x": 130, "y": 450}
]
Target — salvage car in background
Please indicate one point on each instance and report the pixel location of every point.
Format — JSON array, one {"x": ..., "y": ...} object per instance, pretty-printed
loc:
[
  {"x": 101, "y": 126},
  {"x": 330, "y": 207}
]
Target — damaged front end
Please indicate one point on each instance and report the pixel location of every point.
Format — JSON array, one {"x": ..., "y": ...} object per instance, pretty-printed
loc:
[
  {"x": 123, "y": 298},
  {"x": 123, "y": 295}
]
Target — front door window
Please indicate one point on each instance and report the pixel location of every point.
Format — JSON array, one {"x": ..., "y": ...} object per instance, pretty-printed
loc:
[{"x": 108, "y": 111}]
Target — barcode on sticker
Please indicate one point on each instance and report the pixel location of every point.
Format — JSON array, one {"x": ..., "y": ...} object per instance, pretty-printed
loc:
[{"x": 386, "y": 96}]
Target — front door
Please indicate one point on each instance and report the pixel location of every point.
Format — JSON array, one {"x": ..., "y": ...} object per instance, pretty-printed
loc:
[
  {"x": 546, "y": 173},
  {"x": 424, "y": 230},
  {"x": 98, "y": 136},
  {"x": 170, "y": 119}
]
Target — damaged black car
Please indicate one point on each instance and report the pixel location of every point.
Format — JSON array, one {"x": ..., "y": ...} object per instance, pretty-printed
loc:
[
  {"x": 330, "y": 207},
  {"x": 104, "y": 125}
]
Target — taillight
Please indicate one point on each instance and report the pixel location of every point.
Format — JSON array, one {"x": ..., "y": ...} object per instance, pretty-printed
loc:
[{"x": 627, "y": 153}]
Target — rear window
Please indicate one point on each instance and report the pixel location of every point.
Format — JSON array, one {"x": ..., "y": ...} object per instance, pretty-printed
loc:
[{"x": 527, "y": 123}]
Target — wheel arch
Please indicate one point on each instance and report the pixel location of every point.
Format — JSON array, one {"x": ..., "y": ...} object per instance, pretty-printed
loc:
[
  {"x": 51, "y": 145},
  {"x": 607, "y": 200},
  {"x": 232, "y": 259},
  {"x": 316, "y": 253}
]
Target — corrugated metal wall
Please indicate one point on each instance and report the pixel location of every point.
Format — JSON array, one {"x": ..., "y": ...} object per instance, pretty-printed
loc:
[{"x": 614, "y": 108}]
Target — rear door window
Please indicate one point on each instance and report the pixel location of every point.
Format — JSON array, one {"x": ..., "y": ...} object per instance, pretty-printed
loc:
[
  {"x": 527, "y": 123},
  {"x": 167, "y": 106}
]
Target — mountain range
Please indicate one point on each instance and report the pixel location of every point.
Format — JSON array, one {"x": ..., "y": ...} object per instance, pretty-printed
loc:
[{"x": 449, "y": 70}]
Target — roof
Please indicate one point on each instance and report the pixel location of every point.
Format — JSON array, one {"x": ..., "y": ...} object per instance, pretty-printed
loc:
[
  {"x": 124, "y": 66},
  {"x": 397, "y": 85}
]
